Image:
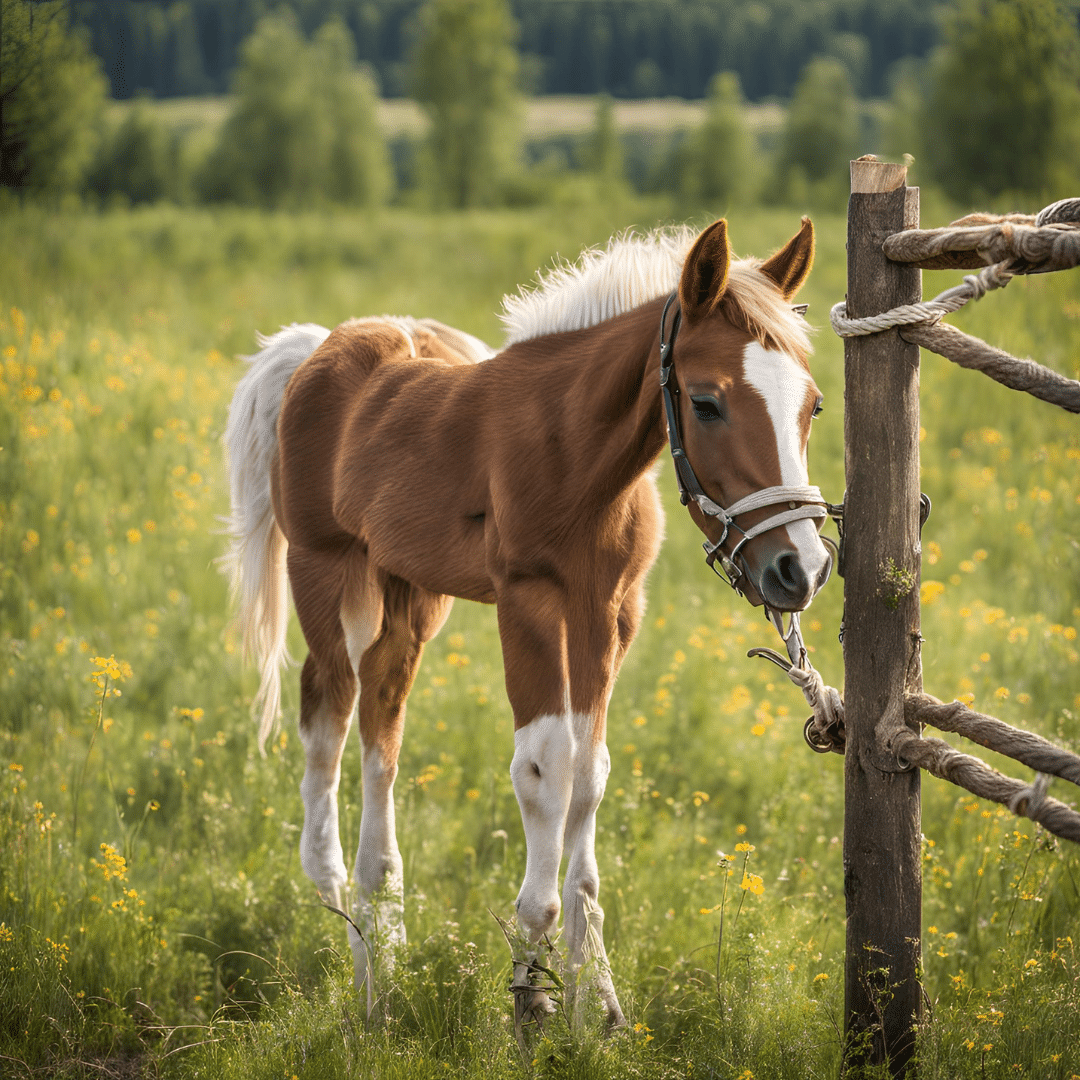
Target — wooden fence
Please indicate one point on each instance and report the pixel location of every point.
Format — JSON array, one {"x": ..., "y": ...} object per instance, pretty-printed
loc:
[{"x": 885, "y": 708}]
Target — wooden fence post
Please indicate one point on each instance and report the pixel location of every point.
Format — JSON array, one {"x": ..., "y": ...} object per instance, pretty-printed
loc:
[{"x": 882, "y": 848}]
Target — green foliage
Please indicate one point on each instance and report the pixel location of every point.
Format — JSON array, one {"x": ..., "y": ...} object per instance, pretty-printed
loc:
[
  {"x": 223, "y": 963},
  {"x": 643, "y": 48},
  {"x": 52, "y": 93},
  {"x": 606, "y": 157},
  {"x": 465, "y": 75},
  {"x": 137, "y": 159},
  {"x": 902, "y": 129},
  {"x": 717, "y": 163},
  {"x": 853, "y": 51},
  {"x": 357, "y": 167},
  {"x": 303, "y": 130},
  {"x": 819, "y": 137},
  {"x": 1002, "y": 110}
]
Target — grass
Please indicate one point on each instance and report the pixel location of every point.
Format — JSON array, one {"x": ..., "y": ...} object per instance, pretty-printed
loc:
[{"x": 168, "y": 930}]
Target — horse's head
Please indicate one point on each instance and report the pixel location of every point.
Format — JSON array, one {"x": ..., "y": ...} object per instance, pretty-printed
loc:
[{"x": 743, "y": 400}]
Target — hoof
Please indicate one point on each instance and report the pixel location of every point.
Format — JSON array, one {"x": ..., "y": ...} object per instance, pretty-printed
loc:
[
  {"x": 615, "y": 1023},
  {"x": 532, "y": 1008}
]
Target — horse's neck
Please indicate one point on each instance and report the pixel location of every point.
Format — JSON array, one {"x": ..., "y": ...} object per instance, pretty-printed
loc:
[{"x": 607, "y": 381}]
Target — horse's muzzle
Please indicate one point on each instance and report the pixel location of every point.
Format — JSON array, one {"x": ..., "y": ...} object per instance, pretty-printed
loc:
[{"x": 787, "y": 584}]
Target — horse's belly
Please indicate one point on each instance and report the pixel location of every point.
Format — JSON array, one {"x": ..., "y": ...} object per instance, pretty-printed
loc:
[{"x": 441, "y": 557}]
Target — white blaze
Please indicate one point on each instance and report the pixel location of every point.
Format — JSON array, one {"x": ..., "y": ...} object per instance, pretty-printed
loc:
[{"x": 783, "y": 384}]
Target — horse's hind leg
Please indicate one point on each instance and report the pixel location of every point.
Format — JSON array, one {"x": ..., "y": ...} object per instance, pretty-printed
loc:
[
  {"x": 388, "y": 667},
  {"x": 329, "y": 590}
]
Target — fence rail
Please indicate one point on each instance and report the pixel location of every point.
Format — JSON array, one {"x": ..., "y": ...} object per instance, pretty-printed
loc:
[
  {"x": 1011, "y": 371},
  {"x": 971, "y": 773},
  {"x": 878, "y": 725},
  {"x": 1024, "y": 746}
]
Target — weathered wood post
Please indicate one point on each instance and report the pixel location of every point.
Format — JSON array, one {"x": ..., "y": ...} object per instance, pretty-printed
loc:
[{"x": 882, "y": 871}]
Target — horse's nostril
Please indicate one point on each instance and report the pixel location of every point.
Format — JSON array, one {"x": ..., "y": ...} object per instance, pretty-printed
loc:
[
  {"x": 784, "y": 584},
  {"x": 790, "y": 572}
]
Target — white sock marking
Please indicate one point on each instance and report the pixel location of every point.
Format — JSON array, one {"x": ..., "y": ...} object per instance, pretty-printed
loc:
[
  {"x": 543, "y": 775},
  {"x": 320, "y": 845},
  {"x": 379, "y": 903}
]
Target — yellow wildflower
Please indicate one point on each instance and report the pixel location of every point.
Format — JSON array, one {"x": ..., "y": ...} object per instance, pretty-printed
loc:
[
  {"x": 930, "y": 591},
  {"x": 752, "y": 883}
]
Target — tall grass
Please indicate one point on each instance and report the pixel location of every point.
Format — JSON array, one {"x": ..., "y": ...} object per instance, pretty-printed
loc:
[{"x": 170, "y": 930}]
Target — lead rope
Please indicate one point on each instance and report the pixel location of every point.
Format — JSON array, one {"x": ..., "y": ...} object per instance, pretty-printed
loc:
[{"x": 824, "y": 730}]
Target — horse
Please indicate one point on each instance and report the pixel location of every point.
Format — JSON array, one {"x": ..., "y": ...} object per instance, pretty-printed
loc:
[{"x": 388, "y": 466}]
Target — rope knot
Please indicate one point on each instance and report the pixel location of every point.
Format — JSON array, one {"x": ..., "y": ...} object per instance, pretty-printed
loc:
[
  {"x": 995, "y": 276},
  {"x": 1026, "y": 802},
  {"x": 824, "y": 730}
]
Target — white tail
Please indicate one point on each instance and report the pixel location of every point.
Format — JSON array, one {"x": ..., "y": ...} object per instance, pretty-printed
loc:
[{"x": 256, "y": 557}]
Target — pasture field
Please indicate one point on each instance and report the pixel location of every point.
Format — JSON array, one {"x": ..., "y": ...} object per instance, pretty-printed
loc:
[
  {"x": 542, "y": 116},
  {"x": 154, "y": 919}
]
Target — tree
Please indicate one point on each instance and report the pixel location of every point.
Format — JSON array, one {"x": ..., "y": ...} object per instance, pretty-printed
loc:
[
  {"x": 358, "y": 170},
  {"x": 1002, "y": 110},
  {"x": 52, "y": 94},
  {"x": 819, "y": 136},
  {"x": 465, "y": 75},
  {"x": 605, "y": 152},
  {"x": 303, "y": 129},
  {"x": 268, "y": 148},
  {"x": 137, "y": 159},
  {"x": 902, "y": 131},
  {"x": 717, "y": 158}
]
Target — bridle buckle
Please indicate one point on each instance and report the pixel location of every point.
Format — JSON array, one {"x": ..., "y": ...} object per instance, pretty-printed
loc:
[{"x": 727, "y": 570}]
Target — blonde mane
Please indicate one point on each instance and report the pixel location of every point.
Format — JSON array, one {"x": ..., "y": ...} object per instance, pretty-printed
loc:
[{"x": 634, "y": 269}]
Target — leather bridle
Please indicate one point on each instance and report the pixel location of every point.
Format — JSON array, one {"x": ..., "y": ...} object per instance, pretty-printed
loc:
[{"x": 810, "y": 498}]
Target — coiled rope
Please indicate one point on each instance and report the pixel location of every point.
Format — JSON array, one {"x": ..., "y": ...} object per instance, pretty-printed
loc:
[
  {"x": 1009, "y": 245},
  {"x": 825, "y": 733},
  {"x": 1012, "y": 244},
  {"x": 974, "y": 287}
]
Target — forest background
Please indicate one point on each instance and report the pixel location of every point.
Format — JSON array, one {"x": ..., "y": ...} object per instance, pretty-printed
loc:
[
  {"x": 329, "y": 160},
  {"x": 362, "y": 103}
]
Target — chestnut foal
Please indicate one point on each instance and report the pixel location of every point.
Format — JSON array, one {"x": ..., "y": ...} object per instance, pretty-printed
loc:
[{"x": 390, "y": 465}]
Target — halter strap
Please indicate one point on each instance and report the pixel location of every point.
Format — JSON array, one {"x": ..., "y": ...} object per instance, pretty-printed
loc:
[{"x": 813, "y": 504}]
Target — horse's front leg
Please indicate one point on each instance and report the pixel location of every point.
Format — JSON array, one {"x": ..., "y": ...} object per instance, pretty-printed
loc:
[
  {"x": 583, "y": 918},
  {"x": 596, "y": 648},
  {"x": 542, "y": 773},
  {"x": 560, "y": 664},
  {"x": 532, "y": 630}
]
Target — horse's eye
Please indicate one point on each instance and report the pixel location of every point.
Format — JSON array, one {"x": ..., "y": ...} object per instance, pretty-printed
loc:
[
  {"x": 819, "y": 407},
  {"x": 707, "y": 409}
]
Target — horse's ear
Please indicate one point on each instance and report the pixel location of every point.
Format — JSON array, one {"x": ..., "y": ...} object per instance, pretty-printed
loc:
[
  {"x": 705, "y": 272},
  {"x": 790, "y": 266}
]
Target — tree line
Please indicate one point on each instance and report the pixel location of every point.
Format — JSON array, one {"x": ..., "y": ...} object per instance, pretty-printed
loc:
[
  {"x": 994, "y": 113},
  {"x": 627, "y": 48}
]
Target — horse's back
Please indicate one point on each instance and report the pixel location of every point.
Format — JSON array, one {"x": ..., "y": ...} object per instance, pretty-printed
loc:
[{"x": 343, "y": 423}]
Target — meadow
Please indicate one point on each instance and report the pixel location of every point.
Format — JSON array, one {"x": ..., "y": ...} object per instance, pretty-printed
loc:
[
  {"x": 154, "y": 919},
  {"x": 542, "y": 116}
]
